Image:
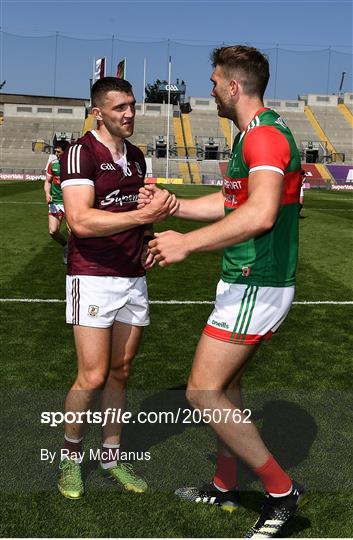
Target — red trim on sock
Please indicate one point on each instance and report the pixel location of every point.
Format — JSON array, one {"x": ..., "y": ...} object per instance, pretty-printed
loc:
[
  {"x": 273, "y": 478},
  {"x": 226, "y": 472}
]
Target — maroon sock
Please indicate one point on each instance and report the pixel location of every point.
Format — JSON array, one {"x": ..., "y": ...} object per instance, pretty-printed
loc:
[
  {"x": 273, "y": 478},
  {"x": 72, "y": 448}
]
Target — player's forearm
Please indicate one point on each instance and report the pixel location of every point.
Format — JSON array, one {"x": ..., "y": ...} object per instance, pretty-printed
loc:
[
  {"x": 96, "y": 223},
  {"x": 207, "y": 208},
  {"x": 47, "y": 187},
  {"x": 239, "y": 226}
]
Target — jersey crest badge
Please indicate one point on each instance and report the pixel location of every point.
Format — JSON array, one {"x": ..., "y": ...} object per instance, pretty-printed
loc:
[
  {"x": 93, "y": 311},
  {"x": 246, "y": 271},
  {"x": 139, "y": 170}
]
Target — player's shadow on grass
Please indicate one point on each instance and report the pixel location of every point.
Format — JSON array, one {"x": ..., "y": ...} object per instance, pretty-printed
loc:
[
  {"x": 141, "y": 437},
  {"x": 288, "y": 430}
]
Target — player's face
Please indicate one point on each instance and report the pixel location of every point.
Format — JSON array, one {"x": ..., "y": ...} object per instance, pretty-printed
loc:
[
  {"x": 58, "y": 152},
  {"x": 220, "y": 92},
  {"x": 118, "y": 113}
]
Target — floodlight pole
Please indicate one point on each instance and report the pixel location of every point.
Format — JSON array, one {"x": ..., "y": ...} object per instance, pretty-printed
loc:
[
  {"x": 144, "y": 86},
  {"x": 168, "y": 115},
  {"x": 112, "y": 54},
  {"x": 342, "y": 79}
]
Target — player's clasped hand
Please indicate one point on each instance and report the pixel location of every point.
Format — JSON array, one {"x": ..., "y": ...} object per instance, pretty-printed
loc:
[
  {"x": 148, "y": 192},
  {"x": 159, "y": 208},
  {"x": 169, "y": 247}
]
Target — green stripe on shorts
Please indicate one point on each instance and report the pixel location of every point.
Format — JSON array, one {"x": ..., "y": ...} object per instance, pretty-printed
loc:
[{"x": 245, "y": 313}]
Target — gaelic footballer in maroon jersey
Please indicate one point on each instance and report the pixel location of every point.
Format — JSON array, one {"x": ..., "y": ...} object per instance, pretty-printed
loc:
[
  {"x": 106, "y": 289},
  {"x": 116, "y": 186}
]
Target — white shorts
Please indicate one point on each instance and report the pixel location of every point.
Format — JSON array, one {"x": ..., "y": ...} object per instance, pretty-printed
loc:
[
  {"x": 56, "y": 210},
  {"x": 99, "y": 301},
  {"x": 247, "y": 314}
]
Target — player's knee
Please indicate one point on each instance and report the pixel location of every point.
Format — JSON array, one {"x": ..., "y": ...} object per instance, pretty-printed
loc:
[
  {"x": 53, "y": 231},
  {"x": 194, "y": 395},
  {"x": 120, "y": 374},
  {"x": 92, "y": 380},
  {"x": 199, "y": 398}
]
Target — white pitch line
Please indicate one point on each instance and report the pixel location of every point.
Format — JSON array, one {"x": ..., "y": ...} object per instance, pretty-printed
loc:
[
  {"x": 23, "y": 202},
  {"x": 173, "y": 302}
]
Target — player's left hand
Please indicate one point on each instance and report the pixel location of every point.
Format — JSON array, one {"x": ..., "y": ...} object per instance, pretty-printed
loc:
[
  {"x": 147, "y": 258},
  {"x": 168, "y": 247}
]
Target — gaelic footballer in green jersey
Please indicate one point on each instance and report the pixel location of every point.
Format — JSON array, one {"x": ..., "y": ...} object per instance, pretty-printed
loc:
[
  {"x": 54, "y": 197},
  {"x": 270, "y": 259},
  {"x": 254, "y": 220},
  {"x": 263, "y": 267},
  {"x": 56, "y": 207}
]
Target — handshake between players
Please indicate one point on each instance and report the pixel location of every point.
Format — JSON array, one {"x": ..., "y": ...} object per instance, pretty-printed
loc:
[{"x": 169, "y": 246}]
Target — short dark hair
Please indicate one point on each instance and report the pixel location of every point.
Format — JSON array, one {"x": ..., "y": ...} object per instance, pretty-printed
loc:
[
  {"x": 107, "y": 84},
  {"x": 61, "y": 144},
  {"x": 250, "y": 66}
]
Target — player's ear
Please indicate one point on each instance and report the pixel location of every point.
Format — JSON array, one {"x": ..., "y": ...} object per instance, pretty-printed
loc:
[
  {"x": 233, "y": 87},
  {"x": 96, "y": 113}
]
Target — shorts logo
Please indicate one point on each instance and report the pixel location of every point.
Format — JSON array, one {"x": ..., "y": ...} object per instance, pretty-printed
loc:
[
  {"x": 220, "y": 324},
  {"x": 246, "y": 271},
  {"x": 93, "y": 311}
]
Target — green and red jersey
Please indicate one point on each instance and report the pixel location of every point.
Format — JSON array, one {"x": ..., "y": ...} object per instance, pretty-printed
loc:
[
  {"x": 270, "y": 259},
  {"x": 53, "y": 170}
]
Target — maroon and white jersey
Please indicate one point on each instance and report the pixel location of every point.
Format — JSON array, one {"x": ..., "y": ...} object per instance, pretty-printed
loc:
[{"x": 116, "y": 185}]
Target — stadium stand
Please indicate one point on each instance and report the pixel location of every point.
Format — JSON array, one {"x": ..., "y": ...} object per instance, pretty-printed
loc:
[
  {"x": 329, "y": 149},
  {"x": 300, "y": 126},
  {"x": 199, "y": 141},
  {"x": 333, "y": 123},
  {"x": 29, "y": 126},
  {"x": 348, "y": 101},
  {"x": 348, "y": 115}
]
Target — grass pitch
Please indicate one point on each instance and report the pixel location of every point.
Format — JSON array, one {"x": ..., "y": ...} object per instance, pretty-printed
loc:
[{"x": 299, "y": 386}]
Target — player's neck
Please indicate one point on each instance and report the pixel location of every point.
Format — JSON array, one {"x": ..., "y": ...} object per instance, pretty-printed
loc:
[
  {"x": 115, "y": 144},
  {"x": 246, "y": 112}
]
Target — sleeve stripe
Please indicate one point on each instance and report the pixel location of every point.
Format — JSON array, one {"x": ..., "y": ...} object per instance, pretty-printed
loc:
[
  {"x": 266, "y": 168},
  {"x": 78, "y": 169},
  {"x": 73, "y": 159},
  {"x": 77, "y": 182},
  {"x": 69, "y": 160}
]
